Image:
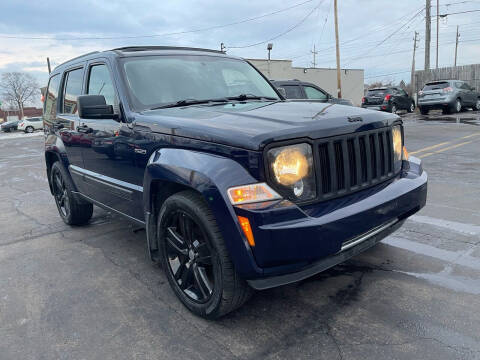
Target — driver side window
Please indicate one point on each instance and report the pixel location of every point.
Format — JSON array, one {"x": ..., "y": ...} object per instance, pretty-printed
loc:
[{"x": 100, "y": 83}]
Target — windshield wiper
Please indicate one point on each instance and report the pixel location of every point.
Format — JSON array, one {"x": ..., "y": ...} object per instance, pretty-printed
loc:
[
  {"x": 187, "y": 102},
  {"x": 242, "y": 97}
]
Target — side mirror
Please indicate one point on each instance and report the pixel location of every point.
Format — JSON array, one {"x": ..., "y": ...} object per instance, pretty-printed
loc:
[
  {"x": 94, "y": 107},
  {"x": 282, "y": 92}
]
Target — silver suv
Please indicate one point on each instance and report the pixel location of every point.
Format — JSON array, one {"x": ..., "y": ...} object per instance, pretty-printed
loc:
[{"x": 448, "y": 95}]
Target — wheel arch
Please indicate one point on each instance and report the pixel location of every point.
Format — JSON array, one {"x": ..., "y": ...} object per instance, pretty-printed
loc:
[{"x": 170, "y": 171}]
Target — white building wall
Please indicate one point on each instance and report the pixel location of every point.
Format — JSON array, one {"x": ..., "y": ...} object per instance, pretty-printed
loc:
[{"x": 352, "y": 79}]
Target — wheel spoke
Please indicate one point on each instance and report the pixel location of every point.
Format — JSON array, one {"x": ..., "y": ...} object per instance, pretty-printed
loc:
[
  {"x": 201, "y": 280},
  {"x": 58, "y": 182},
  {"x": 176, "y": 242},
  {"x": 185, "y": 277},
  {"x": 186, "y": 229}
]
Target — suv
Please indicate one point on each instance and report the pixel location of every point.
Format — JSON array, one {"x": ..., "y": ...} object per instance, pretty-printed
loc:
[
  {"x": 237, "y": 189},
  {"x": 300, "y": 90},
  {"x": 389, "y": 99},
  {"x": 29, "y": 125},
  {"x": 449, "y": 96}
]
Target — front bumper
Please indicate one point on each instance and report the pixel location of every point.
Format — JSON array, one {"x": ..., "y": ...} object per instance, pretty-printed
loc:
[{"x": 293, "y": 243}]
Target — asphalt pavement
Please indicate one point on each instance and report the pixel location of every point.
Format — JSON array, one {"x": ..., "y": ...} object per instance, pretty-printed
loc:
[{"x": 91, "y": 293}]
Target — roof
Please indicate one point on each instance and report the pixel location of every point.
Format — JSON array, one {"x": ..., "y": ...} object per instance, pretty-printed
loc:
[{"x": 143, "y": 50}]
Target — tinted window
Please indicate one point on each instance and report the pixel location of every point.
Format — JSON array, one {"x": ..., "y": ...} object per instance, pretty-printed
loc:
[
  {"x": 377, "y": 92},
  {"x": 100, "y": 83},
  {"x": 436, "y": 86},
  {"x": 313, "y": 93},
  {"x": 465, "y": 86},
  {"x": 73, "y": 88},
  {"x": 50, "y": 107},
  {"x": 293, "y": 91},
  {"x": 157, "y": 80},
  {"x": 34, "y": 119}
]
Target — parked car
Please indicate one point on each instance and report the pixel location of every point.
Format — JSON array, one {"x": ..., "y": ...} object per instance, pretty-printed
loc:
[
  {"x": 297, "y": 90},
  {"x": 9, "y": 126},
  {"x": 29, "y": 125},
  {"x": 237, "y": 188},
  {"x": 390, "y": 99},
  {"x": 451, "y": 96}
]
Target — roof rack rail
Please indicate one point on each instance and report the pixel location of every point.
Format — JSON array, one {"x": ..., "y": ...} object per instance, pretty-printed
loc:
[
  {"x": 78, "y": 57},
  {"x": 147, "y": 48}
]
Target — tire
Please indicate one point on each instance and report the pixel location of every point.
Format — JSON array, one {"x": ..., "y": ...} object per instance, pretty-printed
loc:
[
  {"x": 423, "y": 111},
  {"x": 411, "y": 108},
  {"x": 70, "y": 209},
  {"x": 394, "y": 109},
  {"x": 29, "y": 129},
  {"x": 457, "y": 106},
  {"x": 210, "y": 287},
  {"x": 476, "y": 106}
]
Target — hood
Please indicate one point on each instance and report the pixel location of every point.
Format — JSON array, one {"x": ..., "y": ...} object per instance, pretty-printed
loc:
[{"x": 252, "y": 125}]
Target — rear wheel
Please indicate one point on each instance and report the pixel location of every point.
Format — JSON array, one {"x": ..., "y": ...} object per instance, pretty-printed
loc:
[
  {"x": 195, "y": 259},
  {"x": 476, "y": 106},
  {"x": 423, "y": 110},
  {"x": 70, "y": 209},
  {"x": 411, "y": 108},
  {"x": 457, "y": 106},
  {"x": 29, "y": 129}
]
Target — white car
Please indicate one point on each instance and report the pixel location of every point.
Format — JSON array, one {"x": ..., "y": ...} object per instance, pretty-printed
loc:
[{"x": 29, "y": 125}]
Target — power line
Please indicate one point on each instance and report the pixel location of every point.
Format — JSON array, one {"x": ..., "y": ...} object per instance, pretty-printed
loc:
[
  {"x": 281, "y": 34},
  {"x": 459, "y": 12},
  {"x": 157, "y": 35}
]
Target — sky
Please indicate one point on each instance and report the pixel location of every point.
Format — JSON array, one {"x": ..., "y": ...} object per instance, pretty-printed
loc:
[{"x": 375, "y": 35}]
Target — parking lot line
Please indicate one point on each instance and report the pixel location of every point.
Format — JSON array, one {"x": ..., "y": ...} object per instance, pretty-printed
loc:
[
  {"x": 447, "y": 148},
  {"x": 441, "y": 144}
]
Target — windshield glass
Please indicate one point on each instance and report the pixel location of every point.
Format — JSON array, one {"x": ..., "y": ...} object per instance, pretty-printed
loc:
[
  {"x": 157, "y": 80},
  {"x": 435, "y": 86}
]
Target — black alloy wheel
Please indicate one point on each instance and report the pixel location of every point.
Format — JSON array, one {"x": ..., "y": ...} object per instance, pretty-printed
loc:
[
  {"x": 60, "y": 193},
  {"x": 189, "y": 257},
  {"x": 195, "y": 258}
]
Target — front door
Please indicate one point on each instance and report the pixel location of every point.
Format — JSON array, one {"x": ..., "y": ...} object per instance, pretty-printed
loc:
[{"x": 110, "y": 176}]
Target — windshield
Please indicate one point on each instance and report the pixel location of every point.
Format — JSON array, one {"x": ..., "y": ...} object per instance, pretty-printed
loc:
[
  {"x": 157, "y": 80},
  {"x": 436, "y": 86}
]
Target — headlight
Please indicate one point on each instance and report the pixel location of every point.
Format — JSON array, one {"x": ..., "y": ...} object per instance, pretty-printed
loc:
[
  {"x": 291, "y": 167},
  {"x": 397, "y": 147}
]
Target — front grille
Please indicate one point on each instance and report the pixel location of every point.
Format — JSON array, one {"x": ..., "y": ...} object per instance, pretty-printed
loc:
[{"x": 353, "y": 162}]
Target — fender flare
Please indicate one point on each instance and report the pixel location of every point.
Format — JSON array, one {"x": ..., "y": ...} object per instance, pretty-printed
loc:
[{"x": 211, "y": 176}]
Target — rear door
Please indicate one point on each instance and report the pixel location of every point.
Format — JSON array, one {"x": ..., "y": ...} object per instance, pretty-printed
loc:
[
  {"x": 294, "y": 92},
  {"x": 469, "y": 94},
  {"x": 403, "y": 99}
]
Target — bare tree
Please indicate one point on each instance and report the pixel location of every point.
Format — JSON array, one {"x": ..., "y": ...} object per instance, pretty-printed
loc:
[{"x": 18, "y": 89}]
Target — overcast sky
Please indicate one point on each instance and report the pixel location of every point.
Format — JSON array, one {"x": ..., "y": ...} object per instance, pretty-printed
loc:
[{"x": 375, "y": 35}]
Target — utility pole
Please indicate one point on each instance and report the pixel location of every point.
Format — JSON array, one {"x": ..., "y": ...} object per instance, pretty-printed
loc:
[
  {"x": 314, "y": 54},
  {"x": 456, "y": 46},
  {"x": 339, "y": 78},
  {"x": 222, "y": 47},
  {"x": 412, "y": 80},
  {"x": 438, "y": 25},
  {"x": 428, "y": 33}
]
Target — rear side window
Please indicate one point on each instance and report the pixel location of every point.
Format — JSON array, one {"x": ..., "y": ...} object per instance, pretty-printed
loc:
[
  {"x": 436, "y": 86},
  {"x": 100, "y": 83},
  {"x": 50, "y": 107},
  {"x": 313, "y": 93},
  {"x": 293, "y": 91},
  {"x": 73, "y": 88}
]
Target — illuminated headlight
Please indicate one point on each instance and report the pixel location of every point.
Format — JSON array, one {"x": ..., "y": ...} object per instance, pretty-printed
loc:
[
  {"x": 398, "y": 148},
  {"x": 291, "y": 167}
]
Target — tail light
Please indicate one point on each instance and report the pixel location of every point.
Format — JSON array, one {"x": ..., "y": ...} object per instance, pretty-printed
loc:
[
  {"x": 388, "y": 97},
  {"x": 21, "y": 124},
  {"x": 447, "y": 90},
  {"x": 363, "y": 100}
]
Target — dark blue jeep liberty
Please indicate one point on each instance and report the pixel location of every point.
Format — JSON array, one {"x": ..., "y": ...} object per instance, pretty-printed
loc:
[{"x": 237, "y": 188}]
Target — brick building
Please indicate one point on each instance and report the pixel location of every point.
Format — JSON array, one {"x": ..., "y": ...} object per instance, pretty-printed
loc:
[{"x": 27, "y": 112}]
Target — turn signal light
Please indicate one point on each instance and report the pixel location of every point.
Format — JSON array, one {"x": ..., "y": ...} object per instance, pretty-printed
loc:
[
  {"x": 251, "y": 193},
  {"x": 405, "y": 153},
  {"x": 247, "y": 229}
]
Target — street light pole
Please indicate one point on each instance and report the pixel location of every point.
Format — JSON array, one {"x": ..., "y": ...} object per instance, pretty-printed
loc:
[
  {"x": 337, "y": 44},
  {"x": 269, "y": 48}
]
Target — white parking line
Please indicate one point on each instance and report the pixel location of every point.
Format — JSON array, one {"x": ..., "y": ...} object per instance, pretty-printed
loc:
[{"x": 468, "y": 229}]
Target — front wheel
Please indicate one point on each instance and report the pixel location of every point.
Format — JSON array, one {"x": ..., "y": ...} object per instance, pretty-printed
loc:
[
  {"x": 476, "y": 106},
  {"x": 70, "y": 209},
  {"x": 29, "y": 129},
  {"x": 195, "y": 259},
  {"x": 423, "y": 111}
]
